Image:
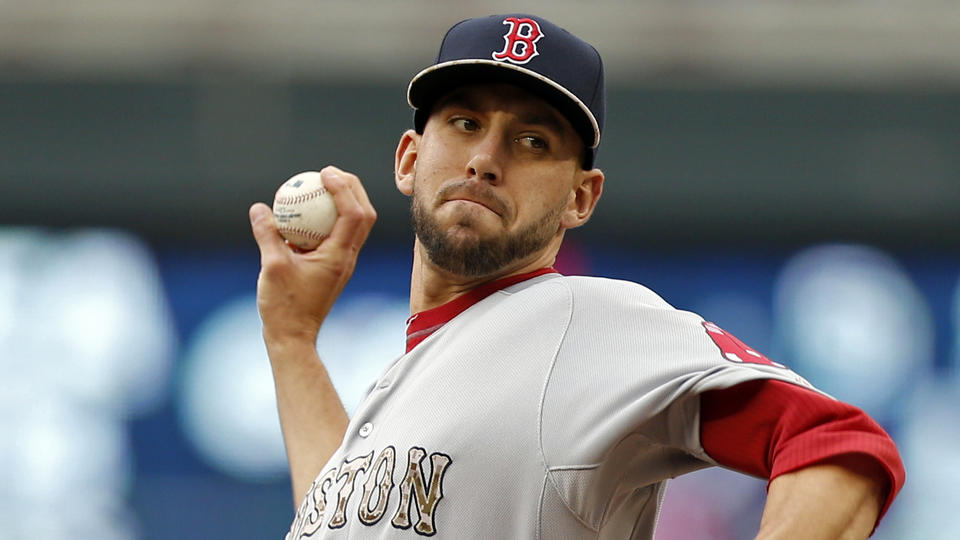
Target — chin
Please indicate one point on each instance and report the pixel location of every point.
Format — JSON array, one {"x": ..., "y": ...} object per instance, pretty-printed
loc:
[
  {"x": 464, "y": 237},
  {"x": 471, "y": 244},
  {"x": 472, "y": 225}
]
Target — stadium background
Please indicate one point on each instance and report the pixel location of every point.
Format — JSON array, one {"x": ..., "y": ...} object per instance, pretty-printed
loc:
[{"x": 788, "y": 170}]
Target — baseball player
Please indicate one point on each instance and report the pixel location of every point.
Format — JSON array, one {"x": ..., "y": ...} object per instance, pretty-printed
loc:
[{"x": 530, "y": 404}]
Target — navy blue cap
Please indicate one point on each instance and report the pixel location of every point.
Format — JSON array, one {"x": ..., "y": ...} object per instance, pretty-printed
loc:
[{"x": 526, "y": 51}]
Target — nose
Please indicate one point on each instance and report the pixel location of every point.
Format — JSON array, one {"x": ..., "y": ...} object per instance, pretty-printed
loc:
[{"x": 485, "y": 164}]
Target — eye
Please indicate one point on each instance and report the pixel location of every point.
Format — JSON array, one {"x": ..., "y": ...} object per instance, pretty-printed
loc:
[
  {"x": 534, "y": 142},
  {"x": 465, "y": 124}
]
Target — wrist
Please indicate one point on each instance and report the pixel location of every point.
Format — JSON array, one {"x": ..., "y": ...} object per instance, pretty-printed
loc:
[{"x": 289, "y": 342}]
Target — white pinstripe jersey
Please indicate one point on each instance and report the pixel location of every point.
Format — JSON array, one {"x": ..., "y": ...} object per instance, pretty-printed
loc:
[{"x": 556, "y": 408}]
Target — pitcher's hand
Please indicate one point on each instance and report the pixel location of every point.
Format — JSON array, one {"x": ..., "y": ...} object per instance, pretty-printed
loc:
[{"x": 296, "y": 290}]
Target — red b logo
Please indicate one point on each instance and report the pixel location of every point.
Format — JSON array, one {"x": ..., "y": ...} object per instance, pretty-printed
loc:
[
  {"x": 520, "y": 42},
  {"x": 735, "y": 350}
]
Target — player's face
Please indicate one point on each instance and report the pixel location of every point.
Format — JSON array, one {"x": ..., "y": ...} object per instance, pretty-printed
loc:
[{"x": 495, "y": 176}]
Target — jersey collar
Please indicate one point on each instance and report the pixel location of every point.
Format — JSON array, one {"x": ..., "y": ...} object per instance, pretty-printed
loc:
[{"x": 421, "y": 325}]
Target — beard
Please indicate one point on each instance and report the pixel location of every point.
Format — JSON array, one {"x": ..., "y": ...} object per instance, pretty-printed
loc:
[{"x": 472, "y": 257}]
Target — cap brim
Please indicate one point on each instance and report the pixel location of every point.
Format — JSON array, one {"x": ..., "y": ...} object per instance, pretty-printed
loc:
[{"x": 435, "y": 81}]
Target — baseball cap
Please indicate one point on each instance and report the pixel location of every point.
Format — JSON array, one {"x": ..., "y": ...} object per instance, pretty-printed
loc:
[{"x": 526, "y": 51}]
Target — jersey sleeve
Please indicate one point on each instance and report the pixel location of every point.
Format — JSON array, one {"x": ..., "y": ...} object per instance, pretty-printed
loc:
[
  {"x": 621, "y": 407},
  {"x": 631, "y": 365},
  {"x": 768, "y": 428}
]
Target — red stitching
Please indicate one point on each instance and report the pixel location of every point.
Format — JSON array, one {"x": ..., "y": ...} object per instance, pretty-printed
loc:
[
  {"x": 302, "y": 232},
  {"x": 299, "y": 198}
]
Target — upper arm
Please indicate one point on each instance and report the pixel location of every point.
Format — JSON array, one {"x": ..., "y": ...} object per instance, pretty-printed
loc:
[{"x": 770, "y": 428}]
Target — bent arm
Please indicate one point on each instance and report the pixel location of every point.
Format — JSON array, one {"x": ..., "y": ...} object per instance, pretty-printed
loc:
[
  {"x": 831, "y": 465},
  {"x": 295, "y": 292}
]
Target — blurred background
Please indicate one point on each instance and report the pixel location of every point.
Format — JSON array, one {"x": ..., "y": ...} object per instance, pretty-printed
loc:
[{"x": 790, "y": 170}]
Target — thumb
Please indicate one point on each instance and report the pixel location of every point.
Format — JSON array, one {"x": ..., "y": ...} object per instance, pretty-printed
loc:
[{"x": 265, "y": 229}]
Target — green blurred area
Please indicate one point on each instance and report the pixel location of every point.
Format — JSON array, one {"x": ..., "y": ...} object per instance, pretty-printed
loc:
[{"x": 180, "y": 162}]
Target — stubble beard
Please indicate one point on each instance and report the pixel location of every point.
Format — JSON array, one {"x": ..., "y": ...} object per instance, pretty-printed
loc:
[{"x": 471, "y": 257}]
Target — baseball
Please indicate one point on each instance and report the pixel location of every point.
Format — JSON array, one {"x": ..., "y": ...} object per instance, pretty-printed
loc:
[{"x": 304, "y": 210}]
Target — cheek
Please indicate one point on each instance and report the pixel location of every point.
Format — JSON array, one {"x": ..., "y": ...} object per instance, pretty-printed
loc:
[
  {"x": 437, "y": 152},
  {"x": 434, "y": 167},
  {"x": 555, "y": 190},
  {"x": 539, "y": 206}
]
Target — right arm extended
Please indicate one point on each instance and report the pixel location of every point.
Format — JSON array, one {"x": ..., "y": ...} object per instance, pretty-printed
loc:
[{"x": 295, "y": 292}]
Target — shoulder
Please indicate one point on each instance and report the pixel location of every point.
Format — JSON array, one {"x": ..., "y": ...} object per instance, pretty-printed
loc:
[
  {"x": 610, "y": 298},
  {"x": 625, "y": 328},
  {"x": 603, "y": 306},
  {"x": 611, "y": 292},
  {"x": 627, "y": 324}
]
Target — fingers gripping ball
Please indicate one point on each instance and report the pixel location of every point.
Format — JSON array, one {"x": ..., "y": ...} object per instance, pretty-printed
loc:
[{"x": 304, "y": 210}]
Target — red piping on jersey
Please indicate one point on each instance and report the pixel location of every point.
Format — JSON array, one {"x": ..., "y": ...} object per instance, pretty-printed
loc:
[
  {"x": 421, "y": 325},
  {"x": 767, "y": 428}
]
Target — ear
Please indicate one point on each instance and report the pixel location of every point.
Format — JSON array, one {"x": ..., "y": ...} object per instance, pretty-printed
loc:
[
  {"x": 405, "y": 162},
  {"x": 583, "y": 199}
]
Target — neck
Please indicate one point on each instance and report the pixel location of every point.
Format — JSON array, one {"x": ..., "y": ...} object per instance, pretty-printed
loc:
[{"x": 432, "y": 286}]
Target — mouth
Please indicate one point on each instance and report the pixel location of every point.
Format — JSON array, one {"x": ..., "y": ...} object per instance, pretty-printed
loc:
[
  {"x": 473, "y": 197},
  {"x": 472, "y": 202}
]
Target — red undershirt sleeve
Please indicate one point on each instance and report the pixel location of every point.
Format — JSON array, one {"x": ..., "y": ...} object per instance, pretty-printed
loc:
[{"x": 767, "y": 428}]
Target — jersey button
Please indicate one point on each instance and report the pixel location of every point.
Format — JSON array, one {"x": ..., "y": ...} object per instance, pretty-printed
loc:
[
  {"x": 366, "y": 429},
  {"x": 384, "y": 384}
]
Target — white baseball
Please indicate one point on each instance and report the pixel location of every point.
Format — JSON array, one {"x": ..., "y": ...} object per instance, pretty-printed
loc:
[{"x": 304, "y": 210}]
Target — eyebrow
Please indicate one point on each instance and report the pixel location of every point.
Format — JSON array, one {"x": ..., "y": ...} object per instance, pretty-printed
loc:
[
  {"x": 543, "y": 118},
  {"x": 546, "y": 120},
  {"x": 457, "y": 98}
]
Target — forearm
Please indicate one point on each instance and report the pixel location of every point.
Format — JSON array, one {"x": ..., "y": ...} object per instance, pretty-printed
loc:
[
  {"x": 312, "y": 416},
  {"x": 295, "y": 292},
  {"x": 838, "y": 499}
]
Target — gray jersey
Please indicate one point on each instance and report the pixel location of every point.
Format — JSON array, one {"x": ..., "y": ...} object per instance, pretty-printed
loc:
[{"x": 555, "y": 408}]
